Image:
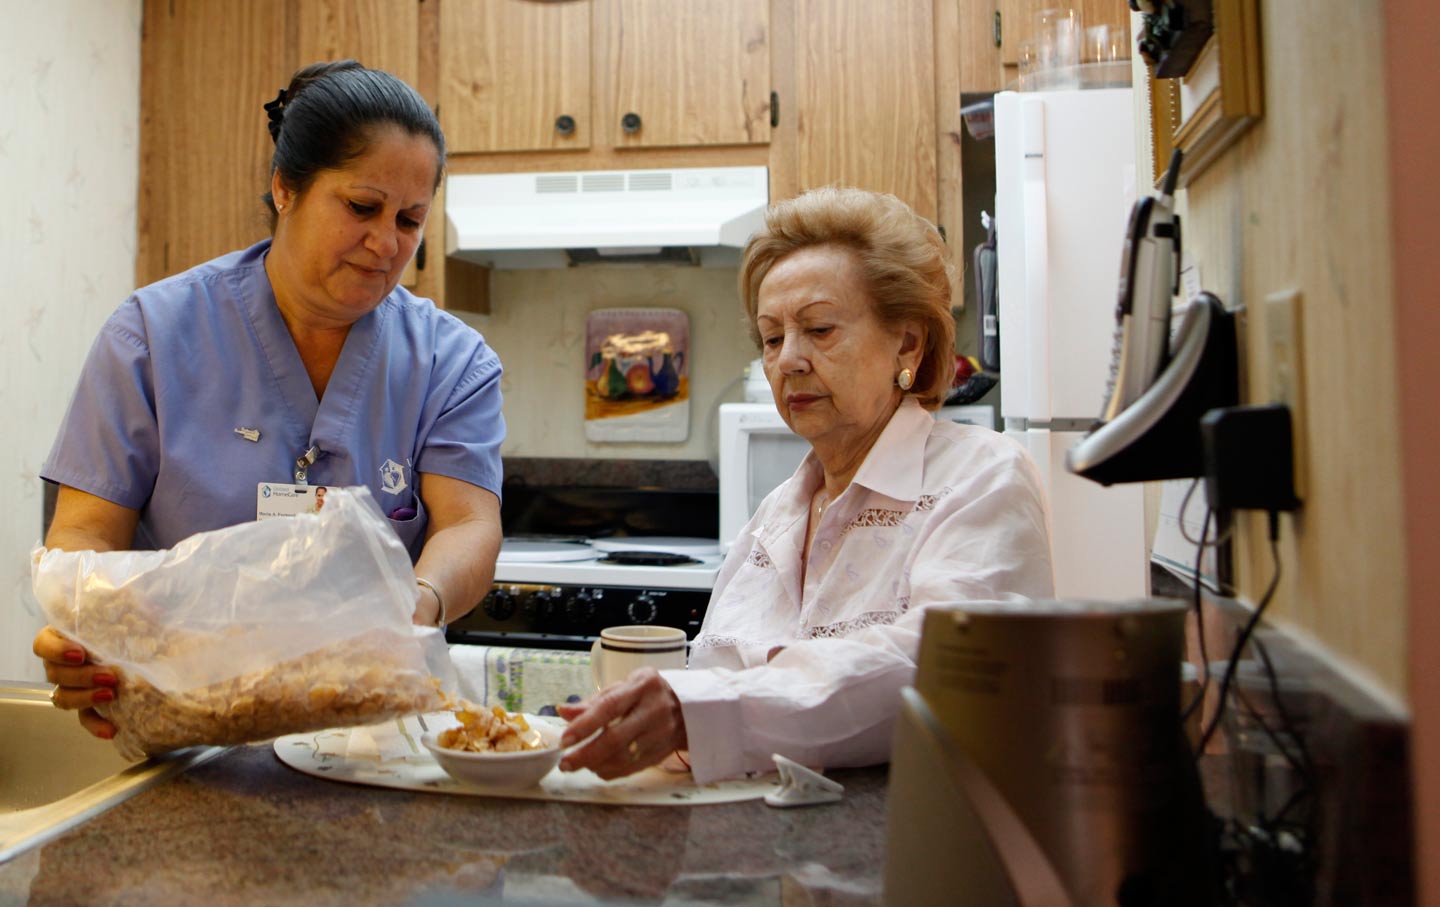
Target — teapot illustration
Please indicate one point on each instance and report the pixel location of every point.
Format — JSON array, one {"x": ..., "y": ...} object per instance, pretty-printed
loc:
[{"x": 667, "y": 379}]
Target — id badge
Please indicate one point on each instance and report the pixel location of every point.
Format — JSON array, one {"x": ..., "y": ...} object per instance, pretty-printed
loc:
[{"x": 274, "y": 499}]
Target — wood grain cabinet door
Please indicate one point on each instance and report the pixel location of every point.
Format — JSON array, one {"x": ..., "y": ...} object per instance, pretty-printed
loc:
[
  {"x": 1017, "y": 26},
  {"x": 515, "y": 75},
  {"x": 689, "y": 72},
  {"x": 865, "y": 98},
  {"x": 206, "y": 70},
  {"x": 381, "y": 34}
]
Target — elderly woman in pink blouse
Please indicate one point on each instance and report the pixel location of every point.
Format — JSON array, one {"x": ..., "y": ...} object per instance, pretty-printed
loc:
[{"x": 815, "y": 621}]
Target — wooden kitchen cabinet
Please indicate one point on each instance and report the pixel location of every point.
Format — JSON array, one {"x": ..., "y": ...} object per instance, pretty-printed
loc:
[
  {"x": 522, "y": 76},
  {"x": 865, "y": 98},
  {"x": 382, "y": 34},
  {"x": 515, "y": 75},
  {"x": 979, "y": 53},
  {"x": 204, "y": 149},
  {"x": 868, "y": 96},
  {"x": 689, "y": 72}
]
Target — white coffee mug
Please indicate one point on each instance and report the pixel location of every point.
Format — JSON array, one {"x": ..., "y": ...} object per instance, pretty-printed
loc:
[{"x": 620, "y": 650}]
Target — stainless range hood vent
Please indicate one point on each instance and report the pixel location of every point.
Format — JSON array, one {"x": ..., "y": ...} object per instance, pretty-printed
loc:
[
  {"x": 681, "y": 216},
  {"x": 602, "y": 182},
  {"x": 651, "y": 181},
  {"x": 566, "y": 182}
]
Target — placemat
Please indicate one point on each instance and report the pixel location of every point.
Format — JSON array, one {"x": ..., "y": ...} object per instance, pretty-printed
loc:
[{"x": 391, "y": 755}]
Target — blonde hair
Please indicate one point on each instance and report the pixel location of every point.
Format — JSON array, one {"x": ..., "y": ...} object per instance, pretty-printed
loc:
[{"x": 901, "y": 257}]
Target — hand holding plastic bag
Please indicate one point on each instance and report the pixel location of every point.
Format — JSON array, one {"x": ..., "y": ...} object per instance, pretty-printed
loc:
[{"x": 251, "y": 632}]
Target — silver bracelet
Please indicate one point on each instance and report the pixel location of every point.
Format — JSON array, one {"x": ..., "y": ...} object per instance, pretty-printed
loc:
[{"x": 439, "y": 600}]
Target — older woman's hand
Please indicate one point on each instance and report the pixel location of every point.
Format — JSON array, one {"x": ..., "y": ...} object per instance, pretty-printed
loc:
[
  {"x": 78, "y": 683},
  {"x": 640, "y": 720}
]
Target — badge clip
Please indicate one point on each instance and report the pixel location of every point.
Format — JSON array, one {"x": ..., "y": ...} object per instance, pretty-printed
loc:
[{"x": 303, "y": 464}]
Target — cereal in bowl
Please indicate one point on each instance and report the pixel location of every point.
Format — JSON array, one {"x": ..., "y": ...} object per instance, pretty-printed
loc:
[{"x": 490, "y": 730}]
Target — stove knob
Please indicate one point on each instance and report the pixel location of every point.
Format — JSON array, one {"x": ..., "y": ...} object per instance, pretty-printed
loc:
[
  {"x": 642, "y": 610},
  {"x": 499, "y": 604},
  {"x": 580, "y": 608},
  {"x": 545, "y": 603}
]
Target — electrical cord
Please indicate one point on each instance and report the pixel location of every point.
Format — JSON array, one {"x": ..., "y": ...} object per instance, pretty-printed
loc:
[
  {"x": 1244, "y": 637},
  {"x": 1199, "y": 611},
  {"x": 1304, "y": 766},
  {"x": 1184, "y": 506},
  {"x": 712, "y": 430},
  {"x": 1267, "y": 859},
  {"x": 1302, "y": 762}
]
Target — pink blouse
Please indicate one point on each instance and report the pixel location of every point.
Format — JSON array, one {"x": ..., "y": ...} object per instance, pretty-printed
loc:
[{"x": 938, "y": 512}]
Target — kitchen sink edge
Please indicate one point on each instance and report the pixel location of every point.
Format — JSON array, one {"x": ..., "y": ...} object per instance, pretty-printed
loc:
[{"x": 23, "y": 829}]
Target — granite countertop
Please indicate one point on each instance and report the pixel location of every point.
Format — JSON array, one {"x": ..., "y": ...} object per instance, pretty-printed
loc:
[{"x": 246, "y": 830}]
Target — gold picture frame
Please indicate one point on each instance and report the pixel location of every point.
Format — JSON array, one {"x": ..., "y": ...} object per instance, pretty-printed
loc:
[{"x": 1206, "y": 110}]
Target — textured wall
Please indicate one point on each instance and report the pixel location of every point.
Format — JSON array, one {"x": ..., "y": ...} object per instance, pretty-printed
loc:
[
  {"x": 70, "y": 77},
  {"x": 1302, "y": 202}
]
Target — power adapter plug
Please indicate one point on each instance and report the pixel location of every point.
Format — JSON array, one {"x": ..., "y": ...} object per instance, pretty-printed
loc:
[{"x": 1249, "y": 458}]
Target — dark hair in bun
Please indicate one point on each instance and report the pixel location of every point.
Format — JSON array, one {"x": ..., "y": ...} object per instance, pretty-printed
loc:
[{"x": 328, "y": 115}]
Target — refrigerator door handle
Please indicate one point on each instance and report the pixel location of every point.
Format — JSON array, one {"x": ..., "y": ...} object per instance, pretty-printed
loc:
[{"x": 1037, "y": 262}]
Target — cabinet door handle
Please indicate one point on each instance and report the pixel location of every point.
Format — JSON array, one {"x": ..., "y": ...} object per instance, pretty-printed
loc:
[
  {"x": 565, "y": 124},
  {"x": 630, "y": 122},
  {"x": 774, "y": 109}
]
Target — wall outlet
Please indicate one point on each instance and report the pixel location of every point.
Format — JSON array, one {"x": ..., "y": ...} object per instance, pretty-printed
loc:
[{"x": 1285, "y": 366}]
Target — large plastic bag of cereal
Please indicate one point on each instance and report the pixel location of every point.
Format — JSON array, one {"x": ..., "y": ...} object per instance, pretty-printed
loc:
[{"x": 241, "y": 634}]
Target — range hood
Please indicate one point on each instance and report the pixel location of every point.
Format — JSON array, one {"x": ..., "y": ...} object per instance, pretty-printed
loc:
[{"x": 693, "y": 216}]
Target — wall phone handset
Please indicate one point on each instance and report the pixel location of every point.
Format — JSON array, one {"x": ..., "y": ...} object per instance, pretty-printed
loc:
[{"x": 1149, "y": 279}]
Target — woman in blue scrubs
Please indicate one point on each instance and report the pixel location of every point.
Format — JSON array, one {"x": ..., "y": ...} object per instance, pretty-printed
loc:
[{"x": 297, "y": 361}]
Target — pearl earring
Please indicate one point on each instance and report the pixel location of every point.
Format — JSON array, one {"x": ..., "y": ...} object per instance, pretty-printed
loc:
[{"x": 905, "y": 379}]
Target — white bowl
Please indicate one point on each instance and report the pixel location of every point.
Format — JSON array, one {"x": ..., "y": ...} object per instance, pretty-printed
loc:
[{"x": 500, "y": 770}]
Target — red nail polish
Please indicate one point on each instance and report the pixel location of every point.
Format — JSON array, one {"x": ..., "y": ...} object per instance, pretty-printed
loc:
[
  {"x": 74, "y": 656},
  {"x": 105, "y": 680},
  {"x": 102, "y": 695},
  {"x": 105, "y": 734}
]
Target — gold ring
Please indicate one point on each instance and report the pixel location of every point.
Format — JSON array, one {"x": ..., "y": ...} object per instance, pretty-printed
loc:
[{"x": 634, "y": 749}]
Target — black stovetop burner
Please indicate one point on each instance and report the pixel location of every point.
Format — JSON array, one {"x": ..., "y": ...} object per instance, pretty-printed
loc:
[{"x": 647, "y": 559}]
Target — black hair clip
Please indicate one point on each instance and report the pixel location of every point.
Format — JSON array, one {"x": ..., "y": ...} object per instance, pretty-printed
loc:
[{"x": 275, "y": 110}]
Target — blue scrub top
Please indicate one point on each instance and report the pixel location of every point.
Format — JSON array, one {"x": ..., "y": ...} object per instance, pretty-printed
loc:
[{"x": 185, "y": 362}]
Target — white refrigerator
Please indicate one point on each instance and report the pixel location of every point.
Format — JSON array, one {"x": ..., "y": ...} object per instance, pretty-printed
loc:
[{"x": 1065, "y": 182}]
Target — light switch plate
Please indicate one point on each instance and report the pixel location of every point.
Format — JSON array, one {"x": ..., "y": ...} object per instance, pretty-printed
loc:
[{"x": 1285, "y": 367}]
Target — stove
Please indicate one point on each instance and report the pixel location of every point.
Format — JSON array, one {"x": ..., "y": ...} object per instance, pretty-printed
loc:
[{"x": 579, "y": 558}]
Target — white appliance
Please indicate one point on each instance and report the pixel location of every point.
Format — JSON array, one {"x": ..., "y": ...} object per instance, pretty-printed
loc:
[
  {"x": 595, "y": 570},
  {"x": 758, "y": 451},
  {"x": 696, "y": 215},
  {"x": 1065, "y": 182}
]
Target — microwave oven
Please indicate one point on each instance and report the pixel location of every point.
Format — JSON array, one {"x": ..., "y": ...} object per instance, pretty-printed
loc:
[{"x": 758, "y": 451}]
